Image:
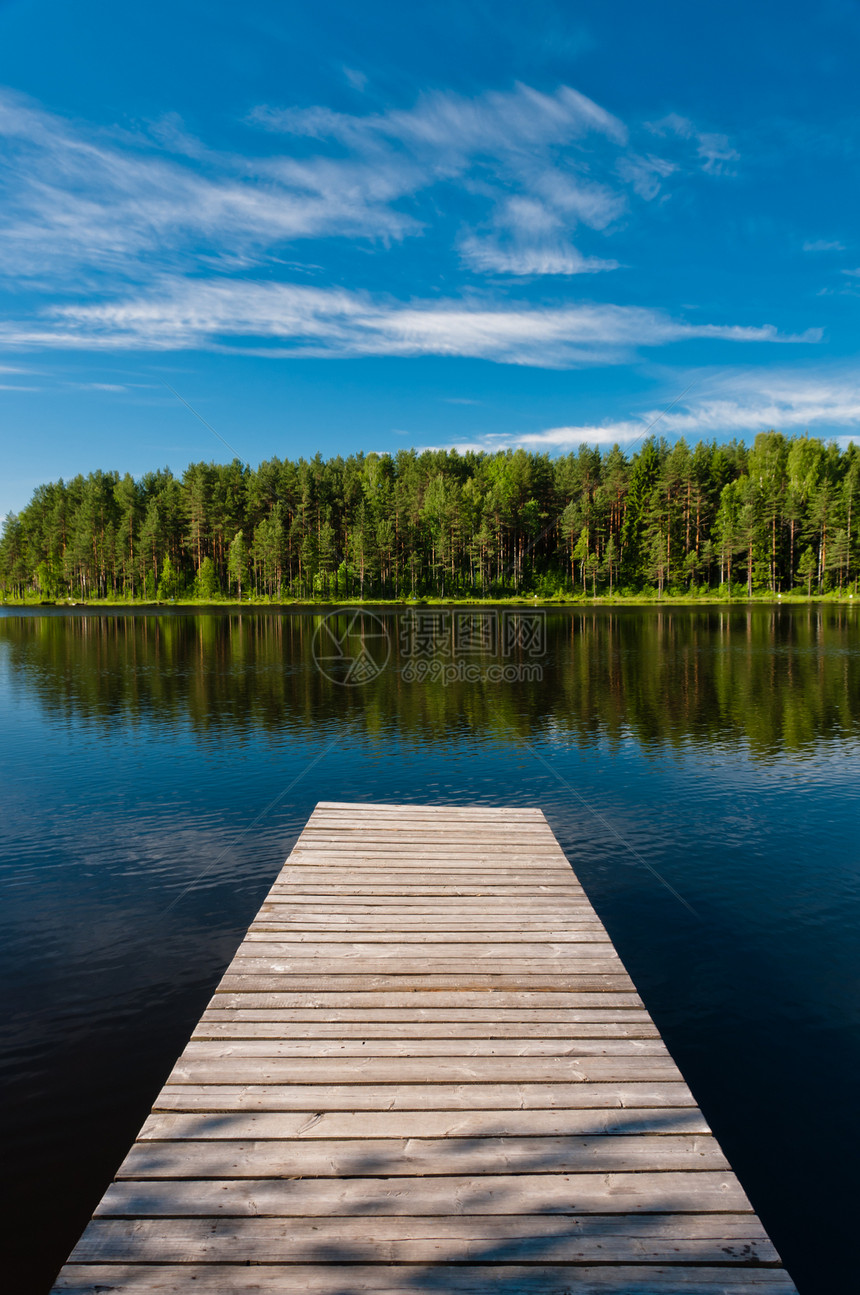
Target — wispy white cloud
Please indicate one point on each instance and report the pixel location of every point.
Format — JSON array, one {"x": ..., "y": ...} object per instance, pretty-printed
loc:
[
  {"x": 733, "y": 403},
  {"x": 755, "y": 400},
  {"x": 620, "y": 431},
  {"x": 100, "y": 386},
  {"x": 645, "y": 174},
  {"x": 559, "y": 157},
  {"x": 714, "y": 153},
  {"x": 357, "y": 79},
  {"x": 529, "y": 155},
  {"x": 83, "y": 206},
  {"x": 530, "y": 235},
  {"x": 278, "y": 319},
  {"x": 822, "y": 245},
  {"x": 94, "y": 219},
  {"x": 495, "y": 124},
  {"x": 532, "y": 257}
]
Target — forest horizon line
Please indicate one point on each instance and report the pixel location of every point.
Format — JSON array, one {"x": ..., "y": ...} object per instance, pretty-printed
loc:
[{"x": 777, "y": 516}]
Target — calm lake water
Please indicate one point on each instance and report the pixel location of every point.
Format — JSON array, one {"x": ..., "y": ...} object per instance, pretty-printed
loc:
[{"x": 157, "y": 769}]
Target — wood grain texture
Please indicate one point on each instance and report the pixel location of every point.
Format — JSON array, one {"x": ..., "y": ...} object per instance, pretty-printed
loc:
[
  {"x": 560, "y": 1193},
  {"x": 417, "y": 1097},
  {"x": 328, "y": 1277},
  {"x": 282, "y": 1125},
  {"x": 431, "y": 979},
  {"x": 396, "y": 1157},
  {"x": 495, "y": 998},
  {"x": 363, "y": 1045},
  {"x": 729, "y": 1239},
  {"x": 425, "y": 1070}
]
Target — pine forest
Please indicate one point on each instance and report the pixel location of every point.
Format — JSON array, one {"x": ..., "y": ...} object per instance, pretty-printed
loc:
[{"x": 717, "y": 520}]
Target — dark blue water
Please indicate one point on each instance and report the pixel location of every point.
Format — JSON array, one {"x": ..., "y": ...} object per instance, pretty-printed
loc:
[{"x": 156, "y": 770}]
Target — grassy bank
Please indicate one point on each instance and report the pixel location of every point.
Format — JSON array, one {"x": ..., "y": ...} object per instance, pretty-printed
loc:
[{"x": 687, "y": 599}]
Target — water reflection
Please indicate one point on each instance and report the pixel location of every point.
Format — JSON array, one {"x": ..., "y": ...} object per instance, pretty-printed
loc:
[{"x": 777, "y": 680}]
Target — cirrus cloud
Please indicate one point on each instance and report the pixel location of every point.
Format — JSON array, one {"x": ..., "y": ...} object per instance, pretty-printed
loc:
[
  {"x": 735, "y": 402},
  {"x": 515, "y": 176},
  {"x": 283, "y": 320}
]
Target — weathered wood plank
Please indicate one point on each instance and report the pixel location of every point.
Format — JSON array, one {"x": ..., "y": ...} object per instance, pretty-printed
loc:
[
  {"x": 519, "y": 1122},
  {"x": 506, "y": 865},
  {"x": 412, "y": 878},
  {"x": 595, "y": 955},
  {"x": 574, "y": 945},
  {"x": 525, "y": 820},
  {"x": 417, "y": 1097},
  {"x": 472, "y": 898},
  {"x": 498, "y": 962},
  {"x": 434, "y": 980},
  {"x": 396, "y": 866},
  {"x": 446, "y": 813},
  {"x": 440, "y": 870},
  {"x": 450, "y": 1046},
  {"x": 471, "y": 905},
  {"x": 328, "y": 925},
  {"x": 518, "y": 839},
  {"x": 403, "y": 1279},
  {"x": 538, "y": 891},
  {"x": 472, "y": 901},
  {"x": 400, "y": 1157},
  {"x": 345, "y": 906},
  {"x": 403, "y": 816},
  {"x": 386, "y": 845},
  {"x": 284, "y": 933},
  {"x": 426, "y": 888},
  {"x": 370, "y": 846},
  {"x": 513, "y": 831},
  {"x": 491, "y": 998},
  {"x": 477, "y": 1007},
  {"x": 484, "y": 1279},
  {"x": 405, "y": 810},
  {"x": 521, "y": 834},
  {"x": 581, "y": 1193},
  {"x": 403, "y": 835},
  {"x": 728, "y": 1239},
  {"x": 422, "y": 1070},
  {"x": 518, "y": 1037}
]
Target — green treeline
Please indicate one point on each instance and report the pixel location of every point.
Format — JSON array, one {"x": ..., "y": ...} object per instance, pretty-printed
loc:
[{"x": 669, "y": 519}]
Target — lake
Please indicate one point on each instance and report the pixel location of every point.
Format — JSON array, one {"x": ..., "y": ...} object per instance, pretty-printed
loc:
[{"x": 700, "y": 767}]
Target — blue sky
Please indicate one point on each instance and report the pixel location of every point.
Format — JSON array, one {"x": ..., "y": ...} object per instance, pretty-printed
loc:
[{"x": 338, "y": 227}]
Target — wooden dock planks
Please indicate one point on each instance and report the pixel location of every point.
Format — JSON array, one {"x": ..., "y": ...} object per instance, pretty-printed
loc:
[{"x": 425, "y": 1070}]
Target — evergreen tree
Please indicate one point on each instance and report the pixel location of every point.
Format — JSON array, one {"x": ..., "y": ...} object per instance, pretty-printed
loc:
[
  {"x": 206, "y": 582},
  {"x": 237, "y": 562},
  {"x": 168, "y": 585}
]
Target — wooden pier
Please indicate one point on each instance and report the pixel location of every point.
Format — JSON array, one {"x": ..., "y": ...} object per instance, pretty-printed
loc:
[{"x": 425, "y": 1070}]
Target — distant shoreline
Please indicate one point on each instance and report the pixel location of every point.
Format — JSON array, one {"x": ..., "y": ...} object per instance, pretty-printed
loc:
[{"x": 303, "y": 604}]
